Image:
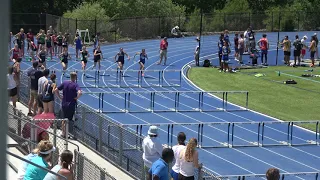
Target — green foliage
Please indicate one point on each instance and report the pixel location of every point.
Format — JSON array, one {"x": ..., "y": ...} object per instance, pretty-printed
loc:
[{"x": 193, "y": 22}]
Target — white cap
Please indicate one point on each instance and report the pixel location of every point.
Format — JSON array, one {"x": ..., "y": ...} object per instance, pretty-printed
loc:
[
  {"x": 305, "y": 37},
  {"x": 49, "y": 151},
  {"x": 153, "y": 130},
  {"x": 177, "y": 27},
  {"x": 315, "y": 34}
]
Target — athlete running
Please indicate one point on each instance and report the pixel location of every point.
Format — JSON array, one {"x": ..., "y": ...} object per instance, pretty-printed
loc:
[
  {"x": 30, "y": 38},
  {"x": 49, "y": 44},
  {"x": 59, "y": 41},
  {"x": 20, "y": 38},
  {"x": 42, "y": 55},
  {"x": 41, "y": 37},
  {"x": 84, "y": 59},
  {"x": 142, "y": 61},
  {"x": 15, "y": 53},
  {"x": 65, "y": 41},
  {"x": 64, "y": 57},
  {"x": 263, "y": 43},
  {"x": 97, "y": 57},
  {"x": 33, "y": 50},
  {"x": 78, "y": 43},
  {"x": 120, "y": 60}
]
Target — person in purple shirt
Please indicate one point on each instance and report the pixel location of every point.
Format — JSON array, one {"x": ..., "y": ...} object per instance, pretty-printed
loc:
[{"x": 71, "y": 93}]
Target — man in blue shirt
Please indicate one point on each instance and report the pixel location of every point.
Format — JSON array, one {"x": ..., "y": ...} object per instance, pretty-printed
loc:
[{"x": 160, "y": 168}]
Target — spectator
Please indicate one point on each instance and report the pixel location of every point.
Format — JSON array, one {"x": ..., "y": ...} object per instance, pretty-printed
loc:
[
  {"x": 241, "y": 48},
  {"x": 316, "y": 44},
  {"x": 297, "y": 50},
  {"x": 176, "y": 33},
  {"x": 34, "y": 75},
  {"x": 177, "y": 149},
  {"x": 197, "y": 52},
  {"x": 12, "y": 87},
  {"x": 65, "y": 168},
  {"x": 163, "y": 50},
  {"x": 71, "y": 94},
  {"x": 313, "y": 50},
  {"x": 286, "y": 50},
  {"x": 45, "y": 152},
  {"x": 273, "y": 174},
  {"x": 43, "y": 135},
  {"x": 41, "y": 83},
  {"x": 160, "y": 168},
  {"x": 16, "y": 74},
  {"x": 263, "y": 43},
  {"x": 305, "y": 47},
  {"x": 24, "y": 165},
  {"x": 189, "y": 160},
  {"x": 48, "y": 97},
  {"x": 152, "y": 148}
]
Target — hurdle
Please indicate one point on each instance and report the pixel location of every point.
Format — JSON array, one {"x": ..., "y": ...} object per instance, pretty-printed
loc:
[
  {"x": 204, "y": 132},
  {"x": 168, "y": 101},
  {"x": 126, "y": 78}
]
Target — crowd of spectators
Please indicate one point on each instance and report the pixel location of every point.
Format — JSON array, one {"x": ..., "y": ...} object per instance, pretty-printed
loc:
[{"x": 184, "y": 157}]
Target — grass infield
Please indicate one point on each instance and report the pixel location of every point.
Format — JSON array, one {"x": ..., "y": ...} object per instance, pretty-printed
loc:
[{"x": 268, "y": 94}]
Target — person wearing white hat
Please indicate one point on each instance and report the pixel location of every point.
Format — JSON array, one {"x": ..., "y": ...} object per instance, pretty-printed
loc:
[
  {"x": 304, "y": 48},
  {"x": 152, "y": 148},
  {"x": 175, "y": 32}
]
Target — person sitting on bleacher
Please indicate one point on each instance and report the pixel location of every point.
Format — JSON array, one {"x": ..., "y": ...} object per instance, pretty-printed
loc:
[
  {"x": 65, "y": 168},
  {"x": 24, "y": 165},
  {"x": 152, "y": 148},
  {"x": 44, "y": 156},
  {"x": 176, "y": 33}
]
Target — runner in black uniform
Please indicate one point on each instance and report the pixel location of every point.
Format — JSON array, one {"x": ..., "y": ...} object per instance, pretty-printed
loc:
[
  {"x": 142, "y": 60},
  {"x": 84, "y": 59},
  {"x": 60, "y": 41},
  {"x": 97, "y": 56},
  {"x": 42, "y": 55},
  {"x": 120, "y": 60},
  {"x": 64, "y": 60}
]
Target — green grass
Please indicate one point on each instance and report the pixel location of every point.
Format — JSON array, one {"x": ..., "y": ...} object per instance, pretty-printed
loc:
[{"x": 267, "y": 94}]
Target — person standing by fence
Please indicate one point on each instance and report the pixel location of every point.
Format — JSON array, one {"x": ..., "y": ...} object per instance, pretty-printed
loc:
[
  {"x": 71, "y": 93},
  {"x": 152, "y": 148},
  {"x": 160, "y": 168},
  {"x": 177, "y": 149},
  {"x": 34, "y": 75},
  {"x": 263, "y": 43},
  {"x": 163, "y": 51}
]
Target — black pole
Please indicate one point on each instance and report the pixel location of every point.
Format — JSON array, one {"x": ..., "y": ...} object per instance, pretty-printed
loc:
[
  {"x": 200, "y": 34},
  {"x": 277, "y": 58}
]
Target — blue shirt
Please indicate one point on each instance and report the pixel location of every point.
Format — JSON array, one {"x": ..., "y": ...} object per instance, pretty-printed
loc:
[
  {"x": 35, "y": 173},
  {"x": 161, "y": 169}
]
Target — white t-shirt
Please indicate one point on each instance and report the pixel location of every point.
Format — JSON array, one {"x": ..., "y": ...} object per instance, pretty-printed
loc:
[
  {"x": 50, "y": 176},
  {"x": 176, "y": 150},
  {"x": 11, "y": 82},
  {"x": 152, "y": 150},
  {"x": 186, "y": 168},
  {"x": 304, "y": 43},
  {"x": 41, "y": 83}
]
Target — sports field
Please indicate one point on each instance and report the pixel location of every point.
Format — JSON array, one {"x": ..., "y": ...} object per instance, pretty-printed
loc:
[{"x": 230, "y": 136}]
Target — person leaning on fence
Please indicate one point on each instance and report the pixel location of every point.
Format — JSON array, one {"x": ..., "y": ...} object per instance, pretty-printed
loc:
[
  {"x": 41, "y": 83},
  {"x": 71, "y": 93},
  {"x": 189, "y": 161},
  {"x": 24, "y": 165},
  {"x": 44, "y": 156},
  {"x": 12, "y": 87},
  {"x": 48, "y": 95},
  {"x": 65, "y": 168},
  {"x": 152, "y": 148},
  {"x": 160, "y": 168},
  {"x": 177, "y": 149},
  {"x": 273, "y": 174}
]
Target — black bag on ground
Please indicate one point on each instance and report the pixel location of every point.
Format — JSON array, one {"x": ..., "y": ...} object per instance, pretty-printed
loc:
[{"x": 206, "y": 63}]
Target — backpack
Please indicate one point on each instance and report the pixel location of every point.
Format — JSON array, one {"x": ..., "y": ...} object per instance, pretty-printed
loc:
[
  {"x": 298, "y": 45},
  {"x": 206, "y": 63}
]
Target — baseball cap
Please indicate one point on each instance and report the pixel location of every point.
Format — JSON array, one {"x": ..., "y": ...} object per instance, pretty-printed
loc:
[
  {"x": 315, "y": 34},
  {"x": 153, "y": 130}
]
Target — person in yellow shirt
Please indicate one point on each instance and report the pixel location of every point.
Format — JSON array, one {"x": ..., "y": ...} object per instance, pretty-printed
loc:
[
  {"x": 286, "y": 50},
  {"x": 313, "y": 50}
]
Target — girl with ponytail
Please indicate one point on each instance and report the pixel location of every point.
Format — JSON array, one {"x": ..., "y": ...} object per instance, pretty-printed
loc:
[{"x": 65, "y": 168}]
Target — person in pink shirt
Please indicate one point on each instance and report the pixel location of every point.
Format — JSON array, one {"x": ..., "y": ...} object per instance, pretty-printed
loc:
[{"x": 163, "y": 51}]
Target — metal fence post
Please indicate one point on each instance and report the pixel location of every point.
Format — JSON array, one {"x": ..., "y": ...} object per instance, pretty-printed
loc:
[
  {"x": 272, "y": 21},
  {"x": 95, "y": 25},
  {"x": 136, "y": 19},
  {"x": 100, "y": 133},
  {"x": 120, "y": 145},
  {"x": 82, "y": 122},
  {"x": 76, "y": 23}
]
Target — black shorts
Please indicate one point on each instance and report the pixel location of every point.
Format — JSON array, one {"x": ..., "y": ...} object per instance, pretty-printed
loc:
[
  {"x": 59, "y": 44},
  {"x": 65, "y": 45},
  {"x": 42, "y": 61},
  {"x": 312, "y": 53},
  {"x": 68, "y": 112},
  {"x": 49, "y": 46},
  {"x": 55, "y": 43},
  {"x": 41, "y": 43},
  {"x": 296, "y": 53},
  {"x": 96, "y": 59},
  {"x": 64, "y": 61},
  {"x": 12, "y": 92},
  {"x": 39, "y": 101},
  {"x": 85, "y": 61},
  {"x": 287, "y": 53},
  {"x": 122, "y": 61}
]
